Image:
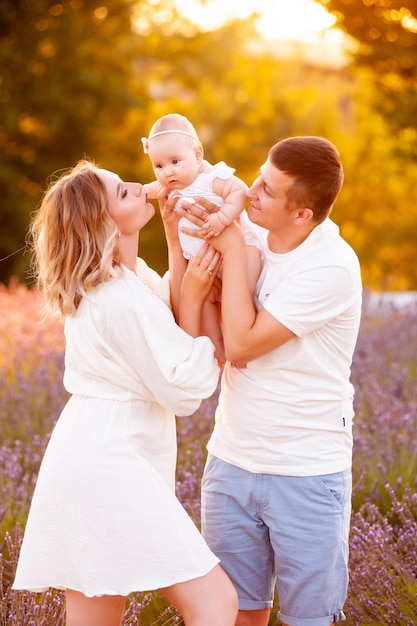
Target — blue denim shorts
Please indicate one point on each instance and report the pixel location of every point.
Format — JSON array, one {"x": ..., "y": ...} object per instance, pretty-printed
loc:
[{"x": 292, "y": 531}]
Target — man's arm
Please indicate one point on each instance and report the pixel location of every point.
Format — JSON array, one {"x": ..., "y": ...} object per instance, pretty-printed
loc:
[{"x": 247, "y": 334}]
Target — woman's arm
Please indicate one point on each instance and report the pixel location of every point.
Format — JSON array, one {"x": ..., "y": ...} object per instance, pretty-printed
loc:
[
  {"x": 198, "y": 280},
  {"x": 177, "y": 264},
  {"x": 190, "y": 281}
]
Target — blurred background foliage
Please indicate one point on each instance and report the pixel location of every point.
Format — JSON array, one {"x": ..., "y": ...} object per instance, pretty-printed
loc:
[{"x": 89, "y": 77}]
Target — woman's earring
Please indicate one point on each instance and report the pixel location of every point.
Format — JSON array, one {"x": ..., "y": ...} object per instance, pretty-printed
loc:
[{"x": 119, "y": 234}]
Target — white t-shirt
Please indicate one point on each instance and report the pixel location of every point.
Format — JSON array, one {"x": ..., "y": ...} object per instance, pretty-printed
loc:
[{"x": 290, "y": 411}]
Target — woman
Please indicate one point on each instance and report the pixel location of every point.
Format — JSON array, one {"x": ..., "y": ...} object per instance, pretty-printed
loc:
[{"x": 104, "y": 520}]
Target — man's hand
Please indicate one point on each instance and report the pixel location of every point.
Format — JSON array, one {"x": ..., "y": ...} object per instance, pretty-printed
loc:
[
  {"x": 197, "y": 214},
  {"x": 212, "y": 227}
]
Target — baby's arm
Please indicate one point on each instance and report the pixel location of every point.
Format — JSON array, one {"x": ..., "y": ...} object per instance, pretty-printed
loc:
[
  {"x": 152, "y": 189},
  {"x": 234, "y": 192}
]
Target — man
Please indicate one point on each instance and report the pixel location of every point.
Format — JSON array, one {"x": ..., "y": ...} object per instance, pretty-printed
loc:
[{"x": 276, "y": 491}]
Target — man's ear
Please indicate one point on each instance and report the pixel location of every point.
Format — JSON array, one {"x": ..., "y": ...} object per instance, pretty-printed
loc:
[
  {"x": 304, "y": 215},
  {"x": 199, "y": 153}
]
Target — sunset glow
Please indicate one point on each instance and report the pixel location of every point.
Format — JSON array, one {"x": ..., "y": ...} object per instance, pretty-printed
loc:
[{"x": 295, "y": 20}]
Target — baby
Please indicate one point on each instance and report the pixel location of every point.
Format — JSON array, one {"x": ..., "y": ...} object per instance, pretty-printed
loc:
[{"x": 177, "y": 158}]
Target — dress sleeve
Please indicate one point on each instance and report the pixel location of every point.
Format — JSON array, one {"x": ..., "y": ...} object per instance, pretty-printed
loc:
[
  {"x": 158, "y": 284},
  {"x": 164, "y": 363}
]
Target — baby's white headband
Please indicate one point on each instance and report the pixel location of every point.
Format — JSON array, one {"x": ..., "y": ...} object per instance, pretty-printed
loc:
[{"x": 146, "y": 140}]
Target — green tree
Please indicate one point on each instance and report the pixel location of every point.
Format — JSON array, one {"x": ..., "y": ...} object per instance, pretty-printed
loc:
[
  {"x": 65, "y": 71},
  {"x": 84, "y": 77},
  {"x": 89, "y": 77},
  {"x": 373, "y": 209},
  {"x": 385, "y": 34},
  {"x": 79, "y": 78}
]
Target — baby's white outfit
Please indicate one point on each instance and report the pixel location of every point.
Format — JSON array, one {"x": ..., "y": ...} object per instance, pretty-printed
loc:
[{"x": 202, "y": 186}]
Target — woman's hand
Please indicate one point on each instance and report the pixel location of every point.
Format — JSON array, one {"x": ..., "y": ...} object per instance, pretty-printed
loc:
[
  {"x": 201, "y": 275},
  {"x": 197, "y": 284},
  {"x": 170, "y": 217}
]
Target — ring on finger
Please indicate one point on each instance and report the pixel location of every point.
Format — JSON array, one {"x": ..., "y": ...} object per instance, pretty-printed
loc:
[{"x": 210, "y": 270}]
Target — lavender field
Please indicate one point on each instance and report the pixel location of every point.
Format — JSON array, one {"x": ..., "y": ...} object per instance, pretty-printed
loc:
[{"x": 383, "y": 557}]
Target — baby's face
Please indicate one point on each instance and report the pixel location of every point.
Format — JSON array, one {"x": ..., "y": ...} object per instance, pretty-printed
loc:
[{"x": 176, "y": 159}]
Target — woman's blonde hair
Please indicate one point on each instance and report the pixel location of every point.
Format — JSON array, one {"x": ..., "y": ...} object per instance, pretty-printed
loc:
[{"x": 73, "y": 238}]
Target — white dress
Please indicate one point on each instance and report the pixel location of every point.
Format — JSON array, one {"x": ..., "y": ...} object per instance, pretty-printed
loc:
[{"x": 104, "y": 518}]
